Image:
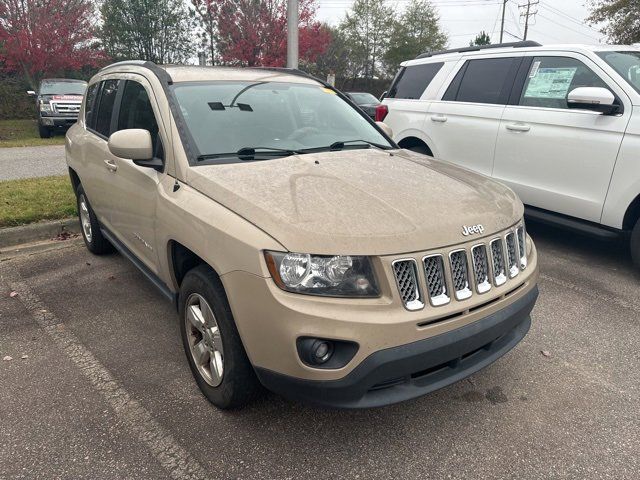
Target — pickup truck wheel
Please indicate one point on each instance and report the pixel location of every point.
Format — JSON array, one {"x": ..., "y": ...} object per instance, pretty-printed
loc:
[
  {"x": 45, "y": 132},
  {"x": 635, "y": 244},
  {"x": 211, "y": 342},
  {"x": 90, "y": 227}
]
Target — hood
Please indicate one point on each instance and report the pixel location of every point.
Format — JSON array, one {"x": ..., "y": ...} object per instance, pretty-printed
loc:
[{"x": 368, "y": 202}]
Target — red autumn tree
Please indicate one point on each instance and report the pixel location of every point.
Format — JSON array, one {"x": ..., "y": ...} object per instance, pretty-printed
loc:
[
  {"x": 46, "y": 37},
  {"x": 254, "y": 32}
]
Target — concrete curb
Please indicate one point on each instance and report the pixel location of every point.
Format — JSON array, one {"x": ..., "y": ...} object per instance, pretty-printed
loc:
[{"x": 13, "y": 236}]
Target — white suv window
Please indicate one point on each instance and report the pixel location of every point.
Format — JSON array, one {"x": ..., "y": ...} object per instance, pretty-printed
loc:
[
  {"x": 487, "y": 80},
  {"x": 412, "y": 81},
  {"x": 550, "y": 80}
]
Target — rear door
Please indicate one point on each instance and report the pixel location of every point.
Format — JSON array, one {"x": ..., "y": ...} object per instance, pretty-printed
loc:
[
  {"x": 97, "y": 175},
  {"x": 556, "y": 158},
  {"x": 464, "y": 124}
]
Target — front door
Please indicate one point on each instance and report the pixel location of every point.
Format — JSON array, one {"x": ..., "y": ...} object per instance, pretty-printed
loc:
[
  {"x": 135, "y": 192},
  {"x": 556, "y": 158}
]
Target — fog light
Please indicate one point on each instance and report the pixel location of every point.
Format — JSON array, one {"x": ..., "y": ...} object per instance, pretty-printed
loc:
[
  {"x": 47, "y": 121},
  {"x": 322, "y": 351}
]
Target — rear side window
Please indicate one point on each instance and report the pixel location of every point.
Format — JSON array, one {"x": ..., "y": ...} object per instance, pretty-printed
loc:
[
  {"x": 89, "y": 107},
  {"x": 551, "y": 79},
  {"x": 412, "y": 81},
  {"x": 106, "y": 102},
  {"x": 484, "y": 81}
]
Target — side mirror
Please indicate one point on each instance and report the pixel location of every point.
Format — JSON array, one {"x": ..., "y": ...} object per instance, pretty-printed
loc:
[
  {"x": 385, "y": 128},
  {"x": 593, "y": 98},
  {"x": 31, "y": 93}
]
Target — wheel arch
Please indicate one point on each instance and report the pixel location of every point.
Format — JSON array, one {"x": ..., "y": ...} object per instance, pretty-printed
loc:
[
  {"x": 632, "y": 215},
  {"x": 75, "y": 180},
  {"x": 412, "y": 142}
]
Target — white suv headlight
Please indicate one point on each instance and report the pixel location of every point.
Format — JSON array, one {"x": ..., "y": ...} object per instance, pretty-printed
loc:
[
  {"x": 330, "y": 275},
  {"x": 45, "y": 107}
]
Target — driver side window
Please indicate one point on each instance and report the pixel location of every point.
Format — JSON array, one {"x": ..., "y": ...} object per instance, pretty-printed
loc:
[
  {"x": 550, "y": 80},
  {"x": 136, "y": 112}
]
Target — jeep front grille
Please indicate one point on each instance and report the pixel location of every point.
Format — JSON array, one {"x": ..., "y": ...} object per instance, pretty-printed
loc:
[
  {"x": 512, "y": 254},
  {"x": 497, "y": 255},
  {"x": 460, "y": 274},
  {"x": 481, "y": 268},
  {"x": 463, "y": 271},
  {"x": 436, "y": 283},
  {"x": 522, "y": 248},
  {"x": 406, "y": 274}
]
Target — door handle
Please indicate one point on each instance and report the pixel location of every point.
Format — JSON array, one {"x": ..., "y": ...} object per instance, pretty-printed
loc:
[
  {"x": 111, "y": 165},
  {"x": 518, "y": 127},
  {"x": 438, "y": 118}
]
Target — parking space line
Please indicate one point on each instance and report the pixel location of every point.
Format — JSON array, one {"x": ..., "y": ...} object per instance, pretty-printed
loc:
[{"x": 179, "y": 463}]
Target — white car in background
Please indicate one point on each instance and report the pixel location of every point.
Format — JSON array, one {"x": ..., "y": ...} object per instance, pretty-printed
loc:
[{"x": 559, "y": 124}]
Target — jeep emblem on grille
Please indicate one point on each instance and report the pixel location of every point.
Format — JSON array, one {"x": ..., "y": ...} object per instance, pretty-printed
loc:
[{"x": 472, "y": 229}]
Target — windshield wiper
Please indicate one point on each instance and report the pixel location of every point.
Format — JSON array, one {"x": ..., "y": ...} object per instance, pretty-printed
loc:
[
  {"x": 342, "y": 143},
  {"x": 249, "y": 153}
]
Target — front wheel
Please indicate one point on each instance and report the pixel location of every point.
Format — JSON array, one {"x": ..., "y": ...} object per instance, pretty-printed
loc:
[
  {"x": 635, "y": 244},
  {"x": 211, "y": 342},
  {"x": 45, "y": 132}
]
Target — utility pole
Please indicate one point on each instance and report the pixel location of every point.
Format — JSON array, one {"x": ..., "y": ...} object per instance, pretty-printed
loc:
[
  {"x": 528, "y": 14},
  {"x": 292, "y": 33},
  {"x": 504, "y": 7}
]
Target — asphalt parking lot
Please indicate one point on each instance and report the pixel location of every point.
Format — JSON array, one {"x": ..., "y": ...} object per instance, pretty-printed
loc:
[{"x": 105, "y": 390}]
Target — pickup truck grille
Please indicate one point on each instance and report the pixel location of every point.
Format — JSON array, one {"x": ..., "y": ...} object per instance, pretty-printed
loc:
[
  {"x": 467, "y": 271},
  {"x": 71, "y": 108}
]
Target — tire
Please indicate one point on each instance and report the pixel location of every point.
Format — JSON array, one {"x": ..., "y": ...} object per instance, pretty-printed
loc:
[
  {"x": 223, "y": 371},
  {"x": 45, "y": 132},
  {"x": 635, "y": 244},
  {"x": 89, "y": 226}
]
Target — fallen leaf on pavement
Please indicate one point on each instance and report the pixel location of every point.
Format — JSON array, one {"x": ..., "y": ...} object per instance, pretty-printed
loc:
[
  {"x": 7, "y": 358},
  {"x": 13, "y": 294},
  {"x": 546, "y": 353},
  {"x": 24, "y": 357},
  {"x": 112, "y": 277}
]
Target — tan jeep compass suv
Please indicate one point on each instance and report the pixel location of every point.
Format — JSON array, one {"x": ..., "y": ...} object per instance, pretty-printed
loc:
[{"x": 303, "y": 249}]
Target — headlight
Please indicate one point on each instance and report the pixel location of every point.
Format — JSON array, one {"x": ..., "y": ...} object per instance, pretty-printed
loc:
[
  {"x": 330, "y": 275},
  {"x": 45, "y": 107}
]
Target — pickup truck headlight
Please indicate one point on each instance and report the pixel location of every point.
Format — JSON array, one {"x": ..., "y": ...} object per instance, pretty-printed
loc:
[
  {"x": 329, "y": 275},
  {"x": 45, "y": 107}
]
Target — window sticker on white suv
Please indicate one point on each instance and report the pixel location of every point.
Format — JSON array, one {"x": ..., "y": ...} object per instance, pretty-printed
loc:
[{"x": 550, "y": 83}]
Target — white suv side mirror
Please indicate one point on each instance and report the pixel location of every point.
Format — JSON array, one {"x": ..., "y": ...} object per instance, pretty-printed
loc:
[
  {"x": 132, "y": 143},
  {"x": 593, "y": 98},
  {"x": 31, "y": 93}
]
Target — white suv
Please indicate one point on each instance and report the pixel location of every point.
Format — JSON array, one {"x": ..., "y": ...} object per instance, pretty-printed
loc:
[{"x": 559, "y": 124}]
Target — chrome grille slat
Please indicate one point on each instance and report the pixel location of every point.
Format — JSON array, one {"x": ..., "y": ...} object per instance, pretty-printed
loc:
[
  {"x": 481, "y": 268},
  {"x": 436, "y": 282},
  {"x": 521, "y": 232},
  {"x": 512, "y": 254},
  {"x": 497, "y": 256},
  {"x": 460, "y": 274},
  {"x": 406, "y": 274}
]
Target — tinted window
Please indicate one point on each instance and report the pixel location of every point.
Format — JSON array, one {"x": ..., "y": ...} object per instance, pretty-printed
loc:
[
  {"x": 136, "y": 110},
  {"x": 484, "y": 81},
  {"x": 105, "y": 106},
  {"x": 89, "y": 108},
  {"x": 551, "y": 79},
  {"x": 412, "y": 81}
]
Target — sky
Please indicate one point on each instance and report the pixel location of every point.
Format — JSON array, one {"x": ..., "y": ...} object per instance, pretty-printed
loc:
[{"x": 556, "y": 21}]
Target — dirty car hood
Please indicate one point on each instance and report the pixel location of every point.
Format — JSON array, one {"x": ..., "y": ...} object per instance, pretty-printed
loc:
[{"x": 368, "y": 202}]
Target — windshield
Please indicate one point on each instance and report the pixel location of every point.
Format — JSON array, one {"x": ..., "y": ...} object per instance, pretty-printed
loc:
[
  {"x": 363, "y": 98},
  {"x": 225, "y": 117},
  {"x": 62, "y": 88},
  {"x": 627, "y": 64}
]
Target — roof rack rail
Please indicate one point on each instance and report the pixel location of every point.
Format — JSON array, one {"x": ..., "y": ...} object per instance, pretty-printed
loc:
[{"x": 526, "y": 43}]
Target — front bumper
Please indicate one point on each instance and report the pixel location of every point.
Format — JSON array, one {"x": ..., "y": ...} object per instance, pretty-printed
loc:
[
  {"x": 407, "y": 371},
  {"x": 63, "y": 122}
]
